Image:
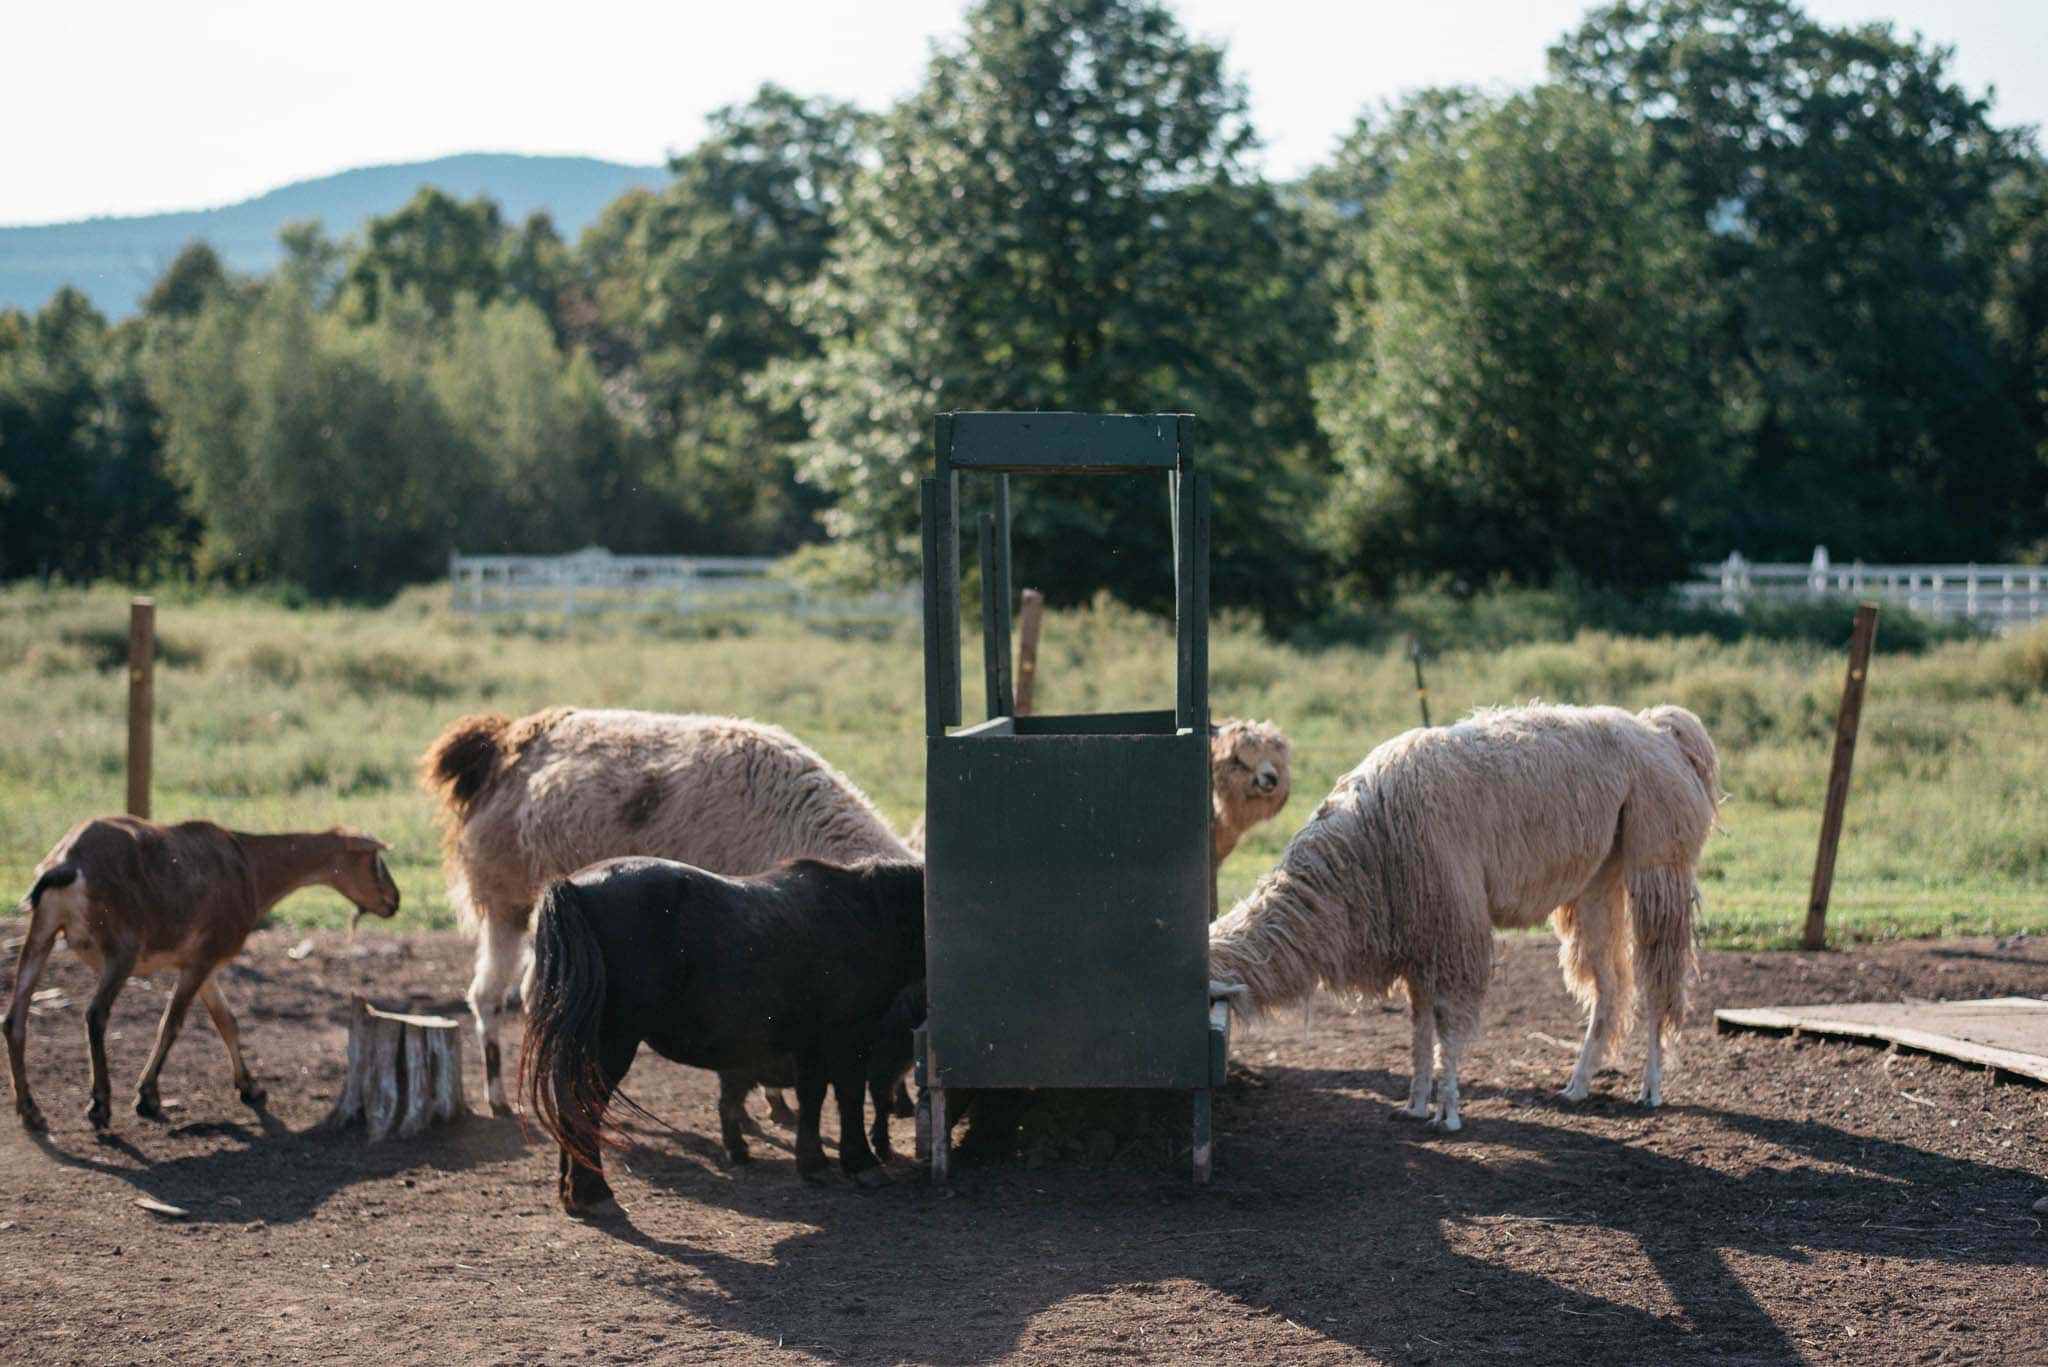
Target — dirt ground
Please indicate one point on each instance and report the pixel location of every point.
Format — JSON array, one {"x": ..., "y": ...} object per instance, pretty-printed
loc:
[{"x": 1794, "y": 1201}]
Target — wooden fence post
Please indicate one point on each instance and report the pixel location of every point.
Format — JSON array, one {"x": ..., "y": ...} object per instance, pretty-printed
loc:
[
  {"x": 1027, "y": 648},
  {"x": 1860, "y": 641},
  {"x": 141, "y": 700},
  {"x": 1421, "y": 688}
]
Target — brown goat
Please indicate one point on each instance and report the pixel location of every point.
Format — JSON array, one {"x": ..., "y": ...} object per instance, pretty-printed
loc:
[{"x": 130, "y": 896}]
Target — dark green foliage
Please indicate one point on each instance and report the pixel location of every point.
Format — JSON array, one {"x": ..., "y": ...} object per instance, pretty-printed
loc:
[
  {"x": 1521, "y": 394},
  {"x": 1849, "y": 186},
  {"x": 83, "y": 492},
  {"x": 1061, "y": 218}
]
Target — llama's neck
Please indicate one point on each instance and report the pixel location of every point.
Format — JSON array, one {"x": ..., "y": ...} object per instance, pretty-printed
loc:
[
  {"x": 280, "y": 865},
  {"x": 1280, "y": 943}
]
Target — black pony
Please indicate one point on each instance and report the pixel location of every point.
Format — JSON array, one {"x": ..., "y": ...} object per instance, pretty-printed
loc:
[{"x": 790, "y": 971}]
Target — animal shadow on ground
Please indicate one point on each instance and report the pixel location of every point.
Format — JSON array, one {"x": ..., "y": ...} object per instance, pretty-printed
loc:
[
  {"x": 1331, "y": 1215},
  {"x": 277, "y": 1175}
]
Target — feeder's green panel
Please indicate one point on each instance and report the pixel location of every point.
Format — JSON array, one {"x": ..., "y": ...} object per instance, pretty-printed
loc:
[
  {"x": 1067, "y": 884},
  {"x": 1064, "y": 443}
]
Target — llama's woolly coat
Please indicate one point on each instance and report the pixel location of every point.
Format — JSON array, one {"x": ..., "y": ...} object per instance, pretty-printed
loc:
[
  {"x": 1498, "y": 821},
  {"x": 532, "y": 800}
]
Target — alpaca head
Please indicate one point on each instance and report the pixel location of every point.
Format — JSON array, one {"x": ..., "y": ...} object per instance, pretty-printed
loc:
[{"x": 1251, "y": 769}]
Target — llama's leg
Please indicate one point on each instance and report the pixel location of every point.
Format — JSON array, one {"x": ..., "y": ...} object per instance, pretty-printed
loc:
[
  {"x": 497, "y": 959},
  {"x": 848, "y": 1066},
  {"x": 148, "y": 1104},
  {"x": 1457, "y": 1021},
  {"x": 778, "y": 1109},
  {"x": 1653, "y": 1070},
  {"x": 114, "y": 970},
  {"x": 1592, "y": 945},
  {"x": 35, "y": 952},
  {"x": 812, "y": 1077},
  {"x": 231, "y": 1036},
  {"x": 733, "y": 1121},
  {"x": 1421, "y": 1052}
]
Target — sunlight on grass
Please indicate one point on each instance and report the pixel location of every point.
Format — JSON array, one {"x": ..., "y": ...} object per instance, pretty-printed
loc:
[{"x": 272, "y": 718}]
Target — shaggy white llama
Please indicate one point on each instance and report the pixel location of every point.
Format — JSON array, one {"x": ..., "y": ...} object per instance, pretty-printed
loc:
[
  {"x": 1507, "y": 817},
  {"x": 528, "y": 801}
]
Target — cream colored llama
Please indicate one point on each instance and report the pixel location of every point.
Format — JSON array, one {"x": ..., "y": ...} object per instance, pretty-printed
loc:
[
  {"x": 528, "y": 801},
  {"x": 1251, "y": 773},
  {"x": 1507, "y": 817}
]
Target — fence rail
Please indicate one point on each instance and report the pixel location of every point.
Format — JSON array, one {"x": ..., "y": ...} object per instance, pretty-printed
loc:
[
  {"x": 1998, "y": 596},
  {"x": 595, "y": 580}
]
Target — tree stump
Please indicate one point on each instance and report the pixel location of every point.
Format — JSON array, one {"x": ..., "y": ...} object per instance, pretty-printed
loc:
[{"x": 404, "y": 1072}]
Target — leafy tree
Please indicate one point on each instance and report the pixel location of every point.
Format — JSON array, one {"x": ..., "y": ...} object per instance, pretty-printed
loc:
[
  {"x": 436, "y": 245},
  {"x": 1062, "y": 218},
  {"x": 1849, "y": 184},
  {"x": 83, "y": 492},
  {"x": 693, "y": 291},
  {"x": 1527, "y": 396},
  {"x": 194, "y": 276}
]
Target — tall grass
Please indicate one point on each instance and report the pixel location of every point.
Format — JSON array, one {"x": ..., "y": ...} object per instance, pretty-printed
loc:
[{"x": 272, "y": 716}]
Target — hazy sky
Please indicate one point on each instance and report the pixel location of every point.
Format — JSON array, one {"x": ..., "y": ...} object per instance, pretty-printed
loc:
[{"x": 133, "y": 106}]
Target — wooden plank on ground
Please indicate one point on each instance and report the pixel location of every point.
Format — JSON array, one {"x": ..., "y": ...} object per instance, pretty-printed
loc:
[{"x": 2007, "y": 1033}]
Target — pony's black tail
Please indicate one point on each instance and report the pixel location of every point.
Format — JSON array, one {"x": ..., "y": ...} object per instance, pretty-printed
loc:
[{"x": 559, "y": 1074}]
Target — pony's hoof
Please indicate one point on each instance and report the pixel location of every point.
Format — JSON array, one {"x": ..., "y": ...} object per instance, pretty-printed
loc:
[
  {"x": 100, "y": 1114},
  {"x": 870, "y": 1178},
  {"x": 602, "y": 1208},
  {"x": 737, "y": 1156},
  {"x": 150, "y": 1108},
  {"x": 254, "y": 1097},
  {"x": 501, "y": 1109},
  {"x": 817, "y": 1173},
  {"x": 32, "y": 1118}
]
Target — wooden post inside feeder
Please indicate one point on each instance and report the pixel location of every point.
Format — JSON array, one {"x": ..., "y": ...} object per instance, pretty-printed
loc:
[{"x": 404, "y": 1073}]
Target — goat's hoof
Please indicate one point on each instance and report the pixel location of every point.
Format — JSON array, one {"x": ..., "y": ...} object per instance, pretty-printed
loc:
[
  {"x": 1411, "y": 1112},
  {"x": 1575, "y": 1092},
  {"x": 100, "y": 1114},
  {"x": 1649, "y": 1100},
  {"x": 32, "y": 1117},
  {"x": 870, "y": 1178}
]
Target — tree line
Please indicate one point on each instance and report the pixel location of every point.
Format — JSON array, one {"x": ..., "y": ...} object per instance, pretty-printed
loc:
[{"x": 1728, "y": 278}]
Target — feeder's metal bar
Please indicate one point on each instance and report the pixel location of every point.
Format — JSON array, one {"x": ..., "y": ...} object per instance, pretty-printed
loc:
[
  {"x": 1003, "y": 594},
  {"x": 994, "y": 630}
]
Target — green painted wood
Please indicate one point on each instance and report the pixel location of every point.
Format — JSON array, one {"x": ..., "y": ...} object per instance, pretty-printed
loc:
[
  {"x": 1191, "y": 610},
  {"x": 1065, "y": 443},
  {"x": 1003, "y": 595},
  {"x": 934, "y": 610},
  {"x": 1066, "y": 910},
  {"x": 1161, "y": 722},
  {"x": 995, "y": 672}
]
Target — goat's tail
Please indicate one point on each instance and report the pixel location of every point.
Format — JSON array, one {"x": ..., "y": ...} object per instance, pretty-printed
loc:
[
  {"x": 463, "y": 760},
  {"x": 63, "y": 876},
  {"x": 1660, "y": 903},
  {"x": 559, "y": 1074}
]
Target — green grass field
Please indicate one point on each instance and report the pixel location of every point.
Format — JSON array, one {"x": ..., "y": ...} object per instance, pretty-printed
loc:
[{"x": 271, "y": 717}]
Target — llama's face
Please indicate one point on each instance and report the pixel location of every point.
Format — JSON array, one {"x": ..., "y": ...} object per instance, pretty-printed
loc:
[{"x": 1251, "y": 765}]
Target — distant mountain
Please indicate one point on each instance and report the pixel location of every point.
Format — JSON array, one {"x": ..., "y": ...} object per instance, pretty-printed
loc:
[{"x": 115, "y": 260}]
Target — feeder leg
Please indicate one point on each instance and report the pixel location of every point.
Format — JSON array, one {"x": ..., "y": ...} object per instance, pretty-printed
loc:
[
  {"x": 941, "y": 1141},
  {"x": 1204, "y": 1158}
]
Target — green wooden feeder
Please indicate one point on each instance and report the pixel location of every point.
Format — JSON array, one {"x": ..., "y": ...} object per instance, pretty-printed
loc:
[{"x": 1068, "y": 883}]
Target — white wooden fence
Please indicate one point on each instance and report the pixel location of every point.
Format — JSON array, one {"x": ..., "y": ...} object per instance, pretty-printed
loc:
[
  {"x": 1998, "y": 596},
  {"x": 595, "y": 580}
]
